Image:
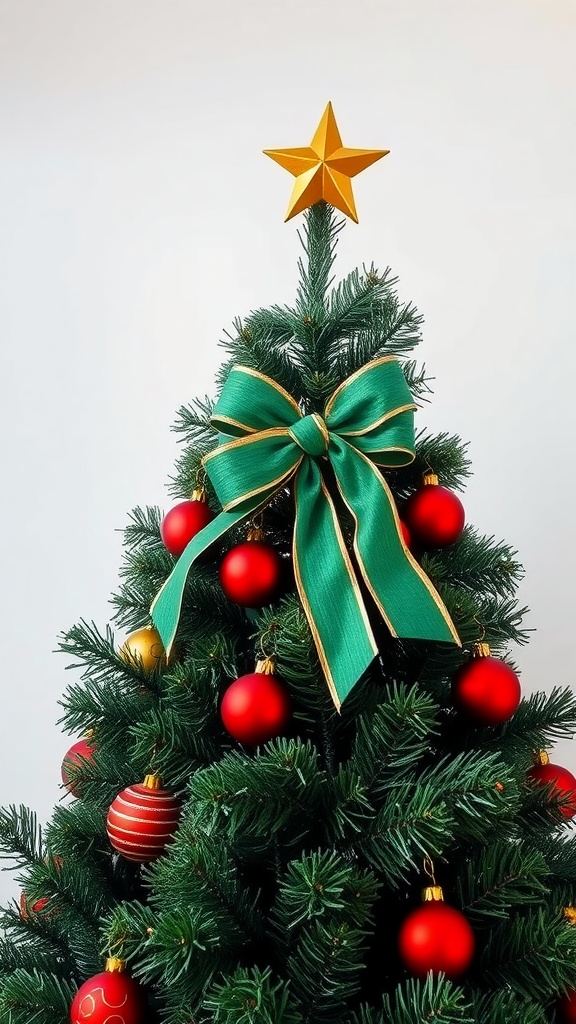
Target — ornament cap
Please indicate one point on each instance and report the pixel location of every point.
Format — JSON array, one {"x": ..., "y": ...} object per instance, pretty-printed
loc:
[
  {"x": 114, "y": 965},
  {"x": 199, "y": 494},
  {"x": 152, "y": 781},
  {"x": 540, "y": 757},
  {"x": 481, "y": 649},
  {"x": 255, "y": 533},
  {"x": 432, "y": 893},
  {"x": 429, "y": 478},
  {"x": 266, "y": 666},
  {"x": 570, "y": 914}
]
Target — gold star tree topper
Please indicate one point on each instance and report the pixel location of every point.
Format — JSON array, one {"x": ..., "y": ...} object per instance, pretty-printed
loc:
[{"x": 324, "y": 169}]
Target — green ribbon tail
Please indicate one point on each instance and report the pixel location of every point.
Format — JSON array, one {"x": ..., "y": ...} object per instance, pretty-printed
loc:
[
  {"x": 167, "y": 604},
  {"x": 406, "y": 598},
  {"x": 327, "y": 586}
]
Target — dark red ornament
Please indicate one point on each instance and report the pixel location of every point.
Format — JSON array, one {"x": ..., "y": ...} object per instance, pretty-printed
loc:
[
  {"x": 436, "y": 937},
  {"x": 35, "y": 908},
  {"x": 256, "y": 707},
  {"x": 184, "y": 521},
  {"x": 434, "y": 515},
  {"x": 82, "y": 750},
  {"x": 485, "y": 689},
  {"x": 111, "y": 997},
  {"x": 142, "y": 820},
  {"x": 251, "y": 574},
  {"x": 27, "y": 908},
  {"x": 566, "y": 1008},
  {"x": 544, "y": 773}
]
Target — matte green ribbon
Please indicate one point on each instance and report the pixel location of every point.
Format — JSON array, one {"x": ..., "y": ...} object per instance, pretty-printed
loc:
[{"x": 367, "y": 422}]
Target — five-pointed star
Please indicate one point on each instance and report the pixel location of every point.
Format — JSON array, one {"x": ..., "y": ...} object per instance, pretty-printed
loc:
[{"x": 324, "y": 168}]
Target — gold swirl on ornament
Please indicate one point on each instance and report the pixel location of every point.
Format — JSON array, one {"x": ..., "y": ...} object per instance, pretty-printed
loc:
[{"x": 113, "y": 1018}]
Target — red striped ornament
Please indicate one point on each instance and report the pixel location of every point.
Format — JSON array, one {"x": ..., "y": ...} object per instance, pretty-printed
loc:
[{"x": 142, "y": 820}]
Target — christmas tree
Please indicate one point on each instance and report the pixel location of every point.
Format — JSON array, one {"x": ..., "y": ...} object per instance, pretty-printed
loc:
[{"x": 306, "y": 788}]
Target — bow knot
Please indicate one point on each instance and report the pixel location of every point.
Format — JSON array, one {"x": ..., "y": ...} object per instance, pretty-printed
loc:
[{"x": 311, "y": 435}]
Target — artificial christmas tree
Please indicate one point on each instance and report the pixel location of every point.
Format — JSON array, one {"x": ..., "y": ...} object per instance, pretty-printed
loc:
[{"x": 288, "y": 889}]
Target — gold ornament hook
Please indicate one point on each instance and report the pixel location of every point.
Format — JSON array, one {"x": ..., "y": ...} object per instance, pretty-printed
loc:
[
  {"x": 266, "y": 641},
  {"x": 433, "y": 892},
  {"x": 429, "y": 869},
  {"x": 255, "y": 528}
]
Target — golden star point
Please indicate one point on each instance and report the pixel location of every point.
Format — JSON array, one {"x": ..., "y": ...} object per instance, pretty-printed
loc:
[{"x": 324, "y": 169}]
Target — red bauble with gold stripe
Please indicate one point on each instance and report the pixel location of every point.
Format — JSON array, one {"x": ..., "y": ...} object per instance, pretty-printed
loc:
[
  {"x": 142, "y": 820},
  {"x": 111, "y": 997}
]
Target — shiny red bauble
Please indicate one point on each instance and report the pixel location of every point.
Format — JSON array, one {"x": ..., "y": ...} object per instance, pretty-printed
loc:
[
  {"x": 563, "y": 782},
  {"x": 486, "y": 690},
  {"x": 256, "y": 708},
  {"x": 109, "y": 998},
  {"x": 436, "y": 937},
  {"x": 142, "y": 820},
  {"x": 566, "y": 1008},
  {"x": 82, "y": 750},
  {"x": 251, "y": 574},
  {"x": 183, "y": 522},
  {"x": 434, "y": 515}
]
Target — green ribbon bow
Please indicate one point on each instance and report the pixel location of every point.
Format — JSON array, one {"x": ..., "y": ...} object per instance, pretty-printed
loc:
[{"x": 367, "y": 422}]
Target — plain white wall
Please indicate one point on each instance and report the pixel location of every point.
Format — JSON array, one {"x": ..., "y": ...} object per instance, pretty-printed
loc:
[{"x": 138, "y": 217}]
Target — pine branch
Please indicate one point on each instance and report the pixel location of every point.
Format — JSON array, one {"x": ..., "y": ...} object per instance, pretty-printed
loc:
[
  {"x": 420, "y": 1002},
  {"x": 476, "y": 563},
  {"x": 500, "y": 877},
  {"x": 533, "y": 955},
  {"x": 251, "y": 996},
  {"x": 20, "y": 836},
  {"x": 506, "y": 1007},
  {"x": 193, "y": 422},
  {"x": 319, "y": 240},
  {"x": 32, "y": 997},
  {"x": 256, "y": 802},
  {"x": 325, "y": 967},
  {"x": 395, "y": 736}
]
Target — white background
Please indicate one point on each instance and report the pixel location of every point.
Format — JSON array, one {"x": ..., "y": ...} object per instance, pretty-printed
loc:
[{"x": 138, "y": 217}]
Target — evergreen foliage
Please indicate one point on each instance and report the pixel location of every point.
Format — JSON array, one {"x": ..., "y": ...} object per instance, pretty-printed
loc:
[{"x": 280, "y": 899}]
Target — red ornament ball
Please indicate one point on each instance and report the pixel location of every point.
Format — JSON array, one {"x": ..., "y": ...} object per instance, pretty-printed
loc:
[
  {"x": 108, "y": 998},
  {"x": 82, "y": 750},
  {"x": 566, "y": 1008},
  {"x": 255, "y": 708},
  {"x": 436, "y": 937},
  {"x": 563, "y": 782},
  {"x": 486, "y": 690},
  {"x": 434, "y": 515},
  {"x": 251, "y": 574},
  {"x": 26, "y": 909},
  {"x": 182, "y": 523},
  {"x": 142, "y": 820}
]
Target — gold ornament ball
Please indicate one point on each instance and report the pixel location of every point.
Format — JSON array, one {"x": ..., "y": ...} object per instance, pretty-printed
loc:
[{"x": 145, "y": 648}]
